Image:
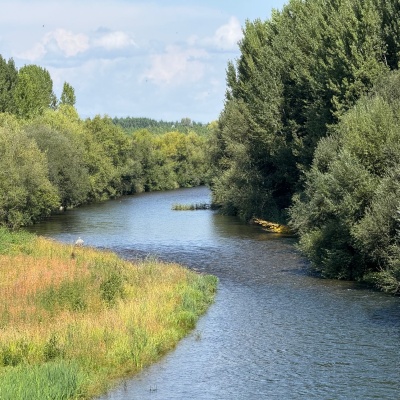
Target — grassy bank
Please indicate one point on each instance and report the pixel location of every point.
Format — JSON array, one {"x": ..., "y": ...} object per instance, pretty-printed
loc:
[{"x": 74, "y": 320}]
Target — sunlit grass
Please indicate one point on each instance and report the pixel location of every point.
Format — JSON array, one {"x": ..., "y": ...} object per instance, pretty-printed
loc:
[
  {"x": 57, "y": 380},
  {"x": 89, "y": 313}
]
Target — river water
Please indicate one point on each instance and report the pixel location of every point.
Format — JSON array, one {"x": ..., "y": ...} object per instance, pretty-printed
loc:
[{"x": 274, "y": 331}]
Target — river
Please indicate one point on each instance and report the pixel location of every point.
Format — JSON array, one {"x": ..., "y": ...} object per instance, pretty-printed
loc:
[{"x": 274, "y": 331}]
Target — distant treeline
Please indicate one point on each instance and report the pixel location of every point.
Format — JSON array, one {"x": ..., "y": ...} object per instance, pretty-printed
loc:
[
  {"x": 50, "y": 159},
  {"x": 185, "y": 125},
  {"x": 310, "y": 133}
]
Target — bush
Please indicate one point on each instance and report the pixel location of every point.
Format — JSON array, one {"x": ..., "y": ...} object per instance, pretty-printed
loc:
[{"x": 347, "y": 216}]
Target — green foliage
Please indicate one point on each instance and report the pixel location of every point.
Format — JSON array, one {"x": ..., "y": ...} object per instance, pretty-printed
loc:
[
  {"x": 51, "y": 159},
  {"x": 53, "y": 349},
  {"x": 111, "y": 161},
  {"x": 298, "y": 128},
  {"x": 33, "y": 93},
  {"x": 26, "y": 193},
  {"x": 347, "y": 216},
  {"x": 68, "y": 95},
  {"x": 8, "y": 81},
  {"x": 55, "y": 159},
  {"x": 190, "y": 207},
  {"x": 65, "y": 160},
  {"x": 70, "y": 295},
  {"x": 112, "y": 287},
  {"x": 14, "y": 354},
  {"x": 297, "y": 74},
  {"x": 13, "y": 242},
  {"x": 186, "y": 319},
  {"x": 203, "y": 290},
  {"x": 168, "y": 161},
  {"x": 334, "y": 199},
  {"x": 186, "y": 125},
  {"x": 59, "y": 380},
  {"x": 377, "y": 235}
]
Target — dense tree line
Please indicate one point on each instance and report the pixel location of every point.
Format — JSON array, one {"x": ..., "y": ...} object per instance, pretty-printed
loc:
[
  {"x": 302, "y": 138},
  {"x": 185, "y": 125},
  {"x": 50, "y": 159},
  {"x": 348, "y": 215}
]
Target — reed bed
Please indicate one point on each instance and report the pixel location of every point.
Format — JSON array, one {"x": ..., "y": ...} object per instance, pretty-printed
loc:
[
  {"x": 191, "y": 207},
  {"x": 87, "y": 316}
]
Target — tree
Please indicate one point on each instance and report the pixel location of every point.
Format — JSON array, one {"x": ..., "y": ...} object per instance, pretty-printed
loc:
[
  {"x": 68, "y": 95},
  {"x": 348, "y": 215},
  {"x": 156, "y": 171},
  {"x": 112, "y": 145},
  {"x": 337, "y": 192},
  {"x": 297, "y": 74},
  {"x": 65, "y": 161},
  {"x": 26, "y": 195},
  {"x": 8, "y": 81},
  {"x": 33, "y": 93}
]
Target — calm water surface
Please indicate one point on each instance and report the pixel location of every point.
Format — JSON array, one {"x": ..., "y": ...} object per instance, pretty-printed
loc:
[{"x": 274, "y": 332}]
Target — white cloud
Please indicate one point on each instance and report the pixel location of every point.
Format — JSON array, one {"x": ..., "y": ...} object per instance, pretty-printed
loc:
[
  {"x": 162, "y": 59},
  {"x": 68, "y": 43},
  {"x": 35, "y": 53},
  {"x": 177, "y": 66},
  {"x": 114, "y": 40},
  {"x": 228, "y": 35}
]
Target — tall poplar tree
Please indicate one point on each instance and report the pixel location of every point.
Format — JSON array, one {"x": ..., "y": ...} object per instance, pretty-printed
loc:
[
  {"x": 68, "y": 95},
  {"x": 8, "y": 81},
  {"x": 34, "y": 91}
]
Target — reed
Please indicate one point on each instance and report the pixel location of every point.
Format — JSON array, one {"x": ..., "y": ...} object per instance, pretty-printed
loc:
[
  {"x": 93, "y": 318},
  {"x": 191, "y": 207}
]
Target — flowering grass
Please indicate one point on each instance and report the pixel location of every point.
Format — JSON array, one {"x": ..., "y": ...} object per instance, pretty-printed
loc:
[{"x": 75, "y": 320}]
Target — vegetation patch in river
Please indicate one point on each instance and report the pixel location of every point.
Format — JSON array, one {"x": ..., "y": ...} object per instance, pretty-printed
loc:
[
  {"x": 191, "y": 207},
  {"x": 87, "y": 316}
]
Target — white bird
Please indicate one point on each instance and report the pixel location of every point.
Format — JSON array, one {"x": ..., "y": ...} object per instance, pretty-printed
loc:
[{"x": 79, "y": 242}]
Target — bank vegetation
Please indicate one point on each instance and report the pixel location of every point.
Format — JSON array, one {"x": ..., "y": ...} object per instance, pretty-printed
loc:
[
  {"x": 310, "y": 132},
  {"x": 74, "y": 320},
  {"x": 51, "y": 159}
]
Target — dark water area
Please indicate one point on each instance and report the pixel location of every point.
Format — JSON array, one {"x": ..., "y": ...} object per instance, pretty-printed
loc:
[{"x": 274, "y": 331}]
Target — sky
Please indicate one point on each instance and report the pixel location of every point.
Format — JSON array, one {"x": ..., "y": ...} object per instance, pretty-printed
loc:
[{"x": 164, "y": 60}]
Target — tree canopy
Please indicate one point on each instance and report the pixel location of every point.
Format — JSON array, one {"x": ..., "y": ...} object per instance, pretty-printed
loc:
[
  {"x": 349, "y": 213},
  {"x": 52, "y": 159},
  {"x": 298, "y": 72},
  {"x": 8, "y": 81},
  {"x": 33, "y": 93},
  {"x": 309, "y": 133}
]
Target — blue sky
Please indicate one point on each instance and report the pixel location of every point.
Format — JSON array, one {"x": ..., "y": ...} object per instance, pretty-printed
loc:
[{"x": 156, "y": 59}]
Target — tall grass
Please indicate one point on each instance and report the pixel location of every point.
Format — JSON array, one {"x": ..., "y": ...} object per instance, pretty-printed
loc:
[
  {"x": 59, "y": 380},
  {"x": 90, "y": 317}
]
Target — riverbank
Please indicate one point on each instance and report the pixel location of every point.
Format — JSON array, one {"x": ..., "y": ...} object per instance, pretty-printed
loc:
[{"x": 74, "y": 320}]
